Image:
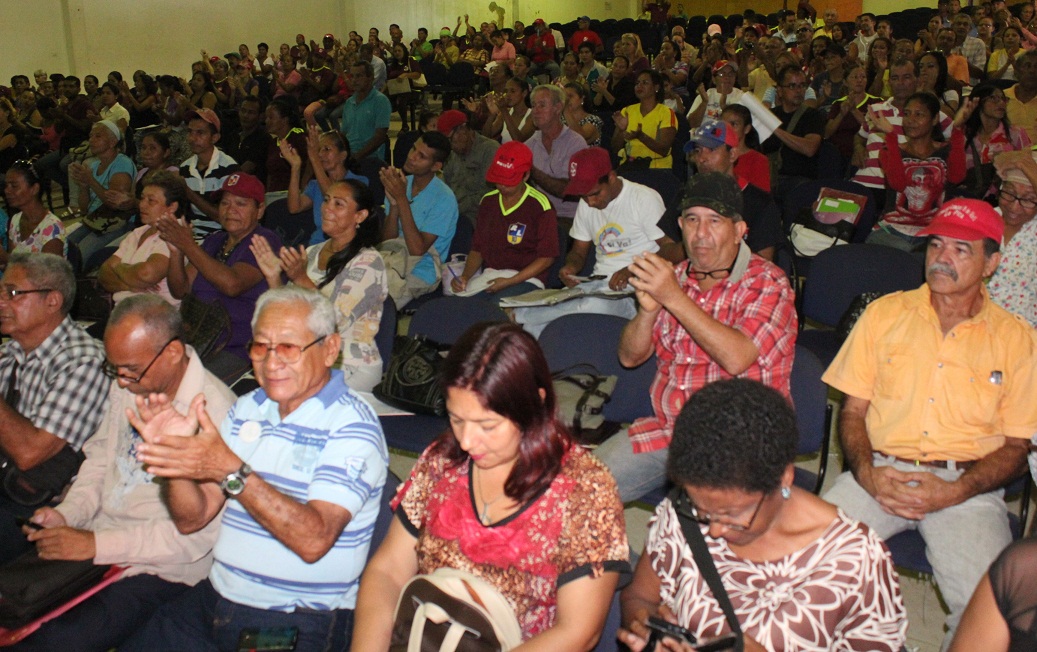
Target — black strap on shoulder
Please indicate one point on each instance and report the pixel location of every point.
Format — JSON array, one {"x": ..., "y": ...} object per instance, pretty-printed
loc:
[{"x": 704, "y": 562}]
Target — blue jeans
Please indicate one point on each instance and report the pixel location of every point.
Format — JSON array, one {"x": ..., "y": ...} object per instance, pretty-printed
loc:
[
  {"x": 200, "y": 619},
  {"x": 636, "y": 474}
]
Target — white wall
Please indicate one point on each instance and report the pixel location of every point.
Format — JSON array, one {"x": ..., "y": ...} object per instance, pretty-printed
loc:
[{"x": 83, "y": 37}]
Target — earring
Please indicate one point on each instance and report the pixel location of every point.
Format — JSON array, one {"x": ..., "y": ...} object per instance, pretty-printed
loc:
[{"x": 786, "y": 492}]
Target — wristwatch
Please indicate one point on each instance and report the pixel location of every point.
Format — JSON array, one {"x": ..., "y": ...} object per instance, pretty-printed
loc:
[{"x": 234, "y": 483}]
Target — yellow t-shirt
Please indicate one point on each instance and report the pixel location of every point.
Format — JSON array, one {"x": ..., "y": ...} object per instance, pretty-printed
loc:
[{"x": 657, "y": 119}]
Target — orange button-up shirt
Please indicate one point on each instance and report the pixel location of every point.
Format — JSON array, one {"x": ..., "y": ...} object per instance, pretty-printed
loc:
[{"x": 934, "y": 396}]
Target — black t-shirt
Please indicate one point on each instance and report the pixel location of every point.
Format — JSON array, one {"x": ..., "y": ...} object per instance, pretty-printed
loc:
[
  {"x": 1012, "y": 578},
  {"x": 250, "y": 149},
  {"x": 794, "y": 164},
  {"x": 763, "y": 219}
]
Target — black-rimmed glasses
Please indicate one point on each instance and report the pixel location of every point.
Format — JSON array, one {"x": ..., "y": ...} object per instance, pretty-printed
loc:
[
  {"x": 112, "y": 371},
  {"x": 685, "y": 507},
  {"x": 11, "y": 293},
  {"x": 1026, "y": 204}
]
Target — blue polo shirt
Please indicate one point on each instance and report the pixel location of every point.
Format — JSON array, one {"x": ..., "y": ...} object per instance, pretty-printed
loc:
[
  {"x": 330, "y": 448},
  {"x": 435, "y": 212},
  {"x": 360, "y": 120}
]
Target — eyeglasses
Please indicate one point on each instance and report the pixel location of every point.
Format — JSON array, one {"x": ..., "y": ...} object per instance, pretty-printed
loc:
[
  {"x": 1027, "y": 204},
  {"x": 112, "y": 371},
  {"x": 10, "y": 294},
  {"x": 286, "y": 352},
  {"x": 713, "y": 273},
  {"x": 689, "y": 510},
  {"x": 803, "y": 29}
]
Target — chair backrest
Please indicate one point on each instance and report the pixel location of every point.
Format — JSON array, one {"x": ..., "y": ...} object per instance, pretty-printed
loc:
[
  {"x": 598, "y": 337},
  {"x": 206, "y": 326},
  {"x": 463, "y": 234},
  {"x": 810, "y": 398},
  {"x": 384, "y": 519},
  {"x": 293, "y": 228},
  {"x": 840, "y": 274},
  {"x": 445, "y": 319},
  {"x": 663, "y": 182},
  {"x": 386, "y": 332},
  {"x": 435, "y": 73},
  {"x": 370, "y": 167}
]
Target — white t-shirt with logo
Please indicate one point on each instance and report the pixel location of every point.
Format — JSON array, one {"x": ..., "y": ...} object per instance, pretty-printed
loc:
[{"x": 628, "y": 226}]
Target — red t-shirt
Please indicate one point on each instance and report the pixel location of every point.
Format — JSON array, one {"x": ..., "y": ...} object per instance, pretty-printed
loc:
[
  {"x": 753, "y": 167},
  {"x": 584, "y": 35},
  {"x": 512, "y": 239}
]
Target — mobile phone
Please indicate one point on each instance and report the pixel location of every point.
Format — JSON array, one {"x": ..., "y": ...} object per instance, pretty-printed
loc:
[
  {"x": 268, "y": 639},
  {"x": 22, "y": 522},
  {"x": 719, "y": 644},
  {"x": 666, "y": 628}
]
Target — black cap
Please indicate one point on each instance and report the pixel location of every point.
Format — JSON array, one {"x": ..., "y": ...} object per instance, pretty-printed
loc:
[{"x": 716, "y": 191}]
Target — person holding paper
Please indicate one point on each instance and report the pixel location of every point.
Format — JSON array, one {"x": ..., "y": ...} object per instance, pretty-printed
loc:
[{"x": 516, "y": 230}]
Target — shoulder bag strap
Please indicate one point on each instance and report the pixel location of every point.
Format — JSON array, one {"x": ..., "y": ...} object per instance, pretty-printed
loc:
[
  {"x": 795, "y": 118},
  {"x": 704, "y": 562}
]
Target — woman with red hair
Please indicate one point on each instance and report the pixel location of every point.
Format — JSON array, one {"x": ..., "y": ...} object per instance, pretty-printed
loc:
[{"x": 507, "y": 495}]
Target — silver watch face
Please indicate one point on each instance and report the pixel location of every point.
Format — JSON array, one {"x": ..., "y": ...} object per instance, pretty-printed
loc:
[{"x": 234, "y": 484}]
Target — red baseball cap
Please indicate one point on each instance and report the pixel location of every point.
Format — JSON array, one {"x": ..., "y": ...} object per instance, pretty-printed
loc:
[
  {"x": 586, "y": 168},
  {"x": 511, "y": 162},
  {"x": 243, "y": 184},
  {"x": 966, "y": 219},
  {"x": 206, "y": 115},
  {"x": 449, "y": 121}
]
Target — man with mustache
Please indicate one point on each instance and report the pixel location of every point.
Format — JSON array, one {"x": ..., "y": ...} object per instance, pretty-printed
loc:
[{"x": 939, "y": 407}]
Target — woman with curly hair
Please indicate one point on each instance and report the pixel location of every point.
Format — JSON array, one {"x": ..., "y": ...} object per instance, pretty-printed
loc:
[{"x": 799, "y": 573}]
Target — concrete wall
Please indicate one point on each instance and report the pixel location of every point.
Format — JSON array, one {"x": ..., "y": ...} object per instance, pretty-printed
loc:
[{"x": 95, "y": 36}]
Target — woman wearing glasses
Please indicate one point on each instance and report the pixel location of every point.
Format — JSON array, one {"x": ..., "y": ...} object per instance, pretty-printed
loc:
[
  {"x": 347, "y": 269},
  {"x": 504, "y": 494},
  {"x": 799, "y": 573}
]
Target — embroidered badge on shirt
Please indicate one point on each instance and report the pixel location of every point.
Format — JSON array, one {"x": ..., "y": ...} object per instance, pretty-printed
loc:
[{"x": 515, "y": 233}]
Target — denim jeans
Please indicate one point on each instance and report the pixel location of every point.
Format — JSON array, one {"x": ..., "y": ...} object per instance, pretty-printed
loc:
[{"x": 200, "y": 619}]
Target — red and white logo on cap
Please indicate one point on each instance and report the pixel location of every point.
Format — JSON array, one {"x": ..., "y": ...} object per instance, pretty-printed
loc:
[
  {"x": 232, "y": 180},
  {"x": 572, "y": 169},
  {"x": 960, "y": 212}
]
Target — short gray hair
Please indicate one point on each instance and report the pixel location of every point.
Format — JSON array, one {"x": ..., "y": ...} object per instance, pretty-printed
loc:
[
  {"x": 48, "y": 271},
  {"x": 321, "y": 320},
  {"x": 161, "y": 320},
  {"x": 556, "y": 92}
]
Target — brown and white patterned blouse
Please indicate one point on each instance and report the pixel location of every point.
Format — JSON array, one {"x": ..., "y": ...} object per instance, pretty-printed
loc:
[
  {"x": 573, "y": 529},
  {"x": 838, "y": 593}
]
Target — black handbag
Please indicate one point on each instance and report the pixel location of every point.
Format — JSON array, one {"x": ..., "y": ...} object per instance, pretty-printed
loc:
[
  {"x": 30, "y": 586},
  {"x": 411, "y": 381},
  {"x": 37, "y": 486}
]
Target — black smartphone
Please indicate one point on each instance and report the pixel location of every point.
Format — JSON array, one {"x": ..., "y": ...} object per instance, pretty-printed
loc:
[
  {"x": 268, "y": 639},
  {"x": 666, "y": 628},
  {"x": 719, "y": 644},
  {"x": 22, "y": 522}
]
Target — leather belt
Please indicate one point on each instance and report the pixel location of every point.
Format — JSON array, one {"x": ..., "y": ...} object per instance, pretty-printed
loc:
[{"x": 935, "y": 464}]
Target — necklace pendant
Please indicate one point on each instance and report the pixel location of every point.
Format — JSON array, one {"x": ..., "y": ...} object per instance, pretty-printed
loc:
[{"x": 484, "y": 515}]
